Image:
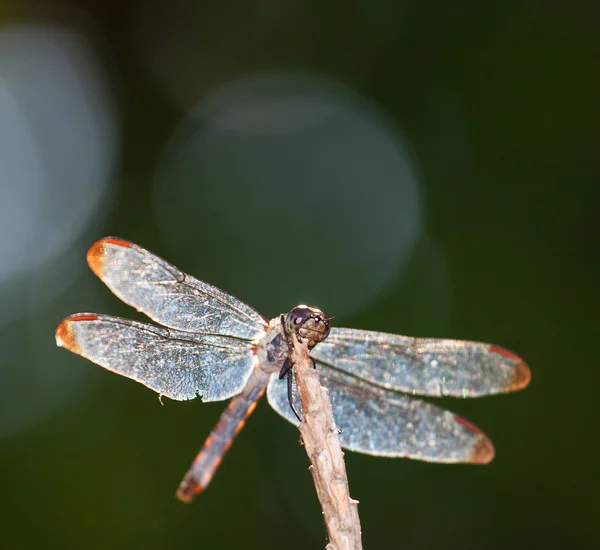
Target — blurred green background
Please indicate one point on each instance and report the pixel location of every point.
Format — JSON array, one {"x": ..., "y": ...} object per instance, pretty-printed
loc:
[{"x": 423, "y": 168}]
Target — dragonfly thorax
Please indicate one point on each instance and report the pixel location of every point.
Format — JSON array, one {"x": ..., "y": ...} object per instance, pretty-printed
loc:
[
  {"x": 274, "y": 347},
  {"x": 308, "y": 323}
]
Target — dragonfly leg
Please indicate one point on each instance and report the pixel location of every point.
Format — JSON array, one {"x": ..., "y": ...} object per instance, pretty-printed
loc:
[
  {"x": 287, "y": 372},
  {"x": 290, "y": 379},
  {"x": 286, "y": 368}
]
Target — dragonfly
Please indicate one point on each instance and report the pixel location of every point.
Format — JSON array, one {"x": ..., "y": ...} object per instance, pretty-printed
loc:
[{"x": 208, "y": 343}]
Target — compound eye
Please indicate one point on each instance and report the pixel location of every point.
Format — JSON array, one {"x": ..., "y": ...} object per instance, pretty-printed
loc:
[{"x": 296, "y": 318}]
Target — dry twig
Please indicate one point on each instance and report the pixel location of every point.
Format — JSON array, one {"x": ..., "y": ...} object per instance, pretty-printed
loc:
[{"x": 320, "y": 438}]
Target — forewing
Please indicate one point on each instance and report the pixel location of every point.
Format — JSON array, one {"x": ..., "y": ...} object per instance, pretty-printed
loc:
[
  {"x": 423, "y": 366},
  {"x": 167, "y": 295},
  {"x": 179, "y": 365},
  {"x": 380, "y": 422}
]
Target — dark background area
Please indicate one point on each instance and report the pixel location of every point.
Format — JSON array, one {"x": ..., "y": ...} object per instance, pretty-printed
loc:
[{"x": 423, "y": 168}]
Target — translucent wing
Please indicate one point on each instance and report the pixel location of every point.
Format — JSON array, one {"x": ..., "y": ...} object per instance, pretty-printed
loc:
[
  {"x": 380, "y": 422},
  {"x": 167, "y": 295},
  {"x": 423, "y": 366},
  {"x": 180, "y": 365}
]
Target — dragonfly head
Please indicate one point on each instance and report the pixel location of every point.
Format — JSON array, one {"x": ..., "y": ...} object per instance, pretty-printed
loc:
[{"x": 308, "y": 323}]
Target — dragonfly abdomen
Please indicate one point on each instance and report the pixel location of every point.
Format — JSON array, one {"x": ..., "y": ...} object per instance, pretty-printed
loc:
[{"x": 221, "y": 438}]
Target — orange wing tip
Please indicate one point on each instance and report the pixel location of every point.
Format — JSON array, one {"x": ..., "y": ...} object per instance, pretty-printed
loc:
[
  {"x": 483, "y": 452},
  {"x": 64, "y": 331},
  {"x": 520, "y": 378},
  {"x": 521, "y": 375},
  {"x": 97, "y": 253},
  {"x": 64, "y": 335}
]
